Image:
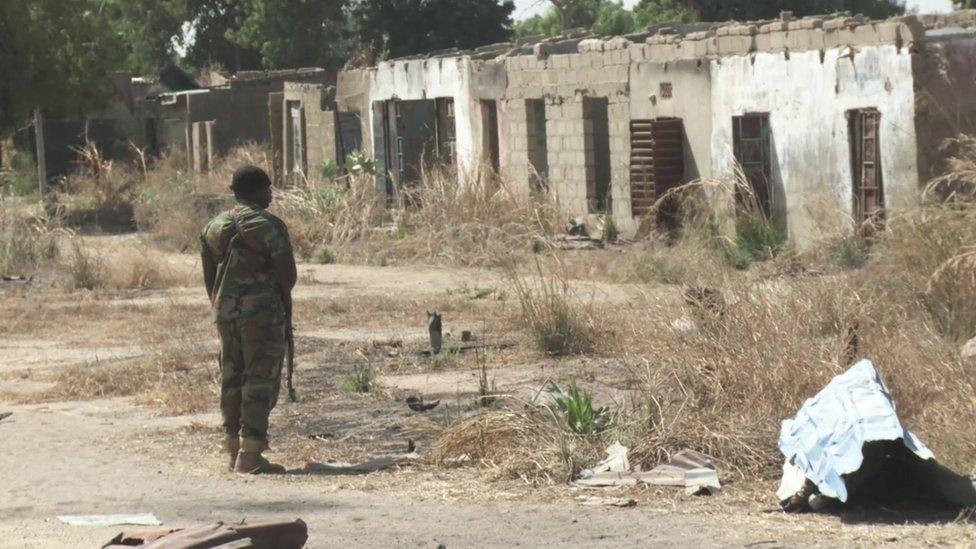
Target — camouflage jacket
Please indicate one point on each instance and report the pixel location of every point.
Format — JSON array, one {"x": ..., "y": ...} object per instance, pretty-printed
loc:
[{"x": 246, "y": 284}]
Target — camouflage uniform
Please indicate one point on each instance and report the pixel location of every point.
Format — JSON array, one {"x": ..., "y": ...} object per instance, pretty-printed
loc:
[{"x": 250, "y": 318}]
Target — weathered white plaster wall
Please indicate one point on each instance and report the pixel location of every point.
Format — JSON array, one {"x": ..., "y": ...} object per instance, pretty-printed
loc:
[
  {"x": 422, "y": 79},
  {"x": 807, "y": 100}
]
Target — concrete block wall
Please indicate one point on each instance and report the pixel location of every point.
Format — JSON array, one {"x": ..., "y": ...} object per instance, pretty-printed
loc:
[
  {"x": 320, "y": 144},
  {"x": 591, "y": 69}
]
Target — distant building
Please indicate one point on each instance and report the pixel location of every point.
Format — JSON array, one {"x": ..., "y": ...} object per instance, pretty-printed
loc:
[
  {"x": 832, "y": 118},
  {"x": 208, "y": 122}
]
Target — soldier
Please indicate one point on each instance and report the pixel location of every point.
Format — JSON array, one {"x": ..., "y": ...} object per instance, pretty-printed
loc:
[{"x": 249, "y": 270}]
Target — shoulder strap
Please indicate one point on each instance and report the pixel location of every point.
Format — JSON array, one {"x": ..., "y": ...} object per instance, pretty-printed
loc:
[{"x": 240, "y": 235}]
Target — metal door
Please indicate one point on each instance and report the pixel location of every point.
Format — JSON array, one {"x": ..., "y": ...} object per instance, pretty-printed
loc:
[
  {"x": 657, "y": 163},
  {"x": 750, "y": 142},
  {"x": 868, "y": 188}
]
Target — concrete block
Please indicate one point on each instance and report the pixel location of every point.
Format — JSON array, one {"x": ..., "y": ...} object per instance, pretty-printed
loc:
[
  {"x": 838, "y": 23},
  {"x": 735, "y": 45},
  {"x": 618, "y": 43},
  {"x": 775, "y": 26},
  {"x": 809, "y": 23},
  {"x": 637, "y": 53},
  {"x": 662, "y": 52},
  {"x": 912, "y": 32},
  {"x": 866, "y": 35},
  {"x": 764, "y": 42},
  {"x": 590, "y": 45},
  {"x": 560, "y": 61},
  {"x": 805, "y": 40}
]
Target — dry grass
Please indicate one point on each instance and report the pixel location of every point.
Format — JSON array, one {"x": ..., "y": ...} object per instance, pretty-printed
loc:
[
  {"x": 442, "y": 219},
  {"x": 28, "y": 238},
  {"x": 522, "y": 445},
  {"x": 557, "y": 322}
]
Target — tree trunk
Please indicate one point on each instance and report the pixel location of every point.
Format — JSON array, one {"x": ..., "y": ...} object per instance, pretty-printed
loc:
[{"x": 41, "y": 157}]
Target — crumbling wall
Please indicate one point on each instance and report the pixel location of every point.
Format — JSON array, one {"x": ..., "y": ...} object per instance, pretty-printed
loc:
[
  {"x": 563, "y": 79},
  {"x": 319, "y": 119},
  {"x": 424, "y": 79},
  {"x": 807, "y": 96},
  {"x": 352, "y": 97}
]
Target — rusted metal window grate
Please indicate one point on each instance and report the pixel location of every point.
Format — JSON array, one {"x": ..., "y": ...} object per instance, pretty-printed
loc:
[
  {"x": 656, "y": 162},
  {"x": 868, "y": 188},
  {"x": 751, "y": 146},
  {"x": 667, "y": 91}
]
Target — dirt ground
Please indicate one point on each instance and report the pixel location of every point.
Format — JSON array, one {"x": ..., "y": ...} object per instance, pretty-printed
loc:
[{"x": 69, "y": 449}]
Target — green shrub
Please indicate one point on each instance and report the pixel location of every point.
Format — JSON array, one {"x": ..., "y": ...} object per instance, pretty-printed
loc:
[
  {"x": 577, "y": 412},
  {"x": 329, "y": 169},
  {"x": 323, "y": 255},
  {"x": 850, "y": 251},
  {"x": 361, "y": 381}
]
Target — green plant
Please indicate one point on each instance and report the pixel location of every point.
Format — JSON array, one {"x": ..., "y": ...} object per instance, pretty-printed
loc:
[
  {"x": 323, "y": 255},
  {"x": 577, "y": 411},
  {"x": 443, "y": 358},
  {"x": 18, "y": 177},
  {"x": 360, "y": 381},
  {"x": 357, "y": 163},
  {"x": 850, "y": 251},
  {"x": 329, "y": 169},
  {"x": 610, "y": 231},
  {"x": 756, "y": 239},
  {"x": 86, "y": 270}
]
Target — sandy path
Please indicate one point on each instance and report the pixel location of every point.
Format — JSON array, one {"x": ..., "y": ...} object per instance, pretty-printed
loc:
[{"x": 56, "y": 462}]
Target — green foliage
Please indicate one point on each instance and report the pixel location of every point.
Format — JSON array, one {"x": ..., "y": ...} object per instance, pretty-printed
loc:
[
  {"x": 329, "y": 169},
  {"x": 851, "y": 251},
  {"x": 357, "y": 163},
  {"x": 323, "y": 255},
  {"x": 757, "y": 238},
  {"x": 650, "y": 12},
  {"x": 576, "y": 410},
  {"x": 613, "y": 19},
  {"x": 395, "y": 28},
  {"x": 443, "y": 358},
  {"x": 148, "y": 31},
  {"x": 19, "y": 177},
  {"x": 746, "y": 10},
  {"x": 360, "y": 381},
  {"x": 548, "y": 24},
  {"x": 610, "y": 231},
  {"x": 55, "y": 54},
  {"x": 294, "y": 33}
]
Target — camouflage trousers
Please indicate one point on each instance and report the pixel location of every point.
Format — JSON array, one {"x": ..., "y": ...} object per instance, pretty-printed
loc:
[{"x": 251, "y": 356}]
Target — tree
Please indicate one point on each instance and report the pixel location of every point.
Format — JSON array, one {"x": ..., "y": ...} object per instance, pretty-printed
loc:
[
  {"x": 148, "y": 29},
  {"x": 548, "y": 24},
  {"x": 649, "y": 12},
  {"x": 206, "y": 35},
  {"x": 396, "y": 28},
  {"x": 56, "y": 55},
  {"x": 964, "y": 4},
  {"x": 613, "y": 19},
  {"x": 294, "y": 33},
  {"x": 744, "y": 10},
  {"x": 573, "y": 14}
]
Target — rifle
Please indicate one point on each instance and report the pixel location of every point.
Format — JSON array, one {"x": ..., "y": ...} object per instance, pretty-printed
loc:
[{"x": 290, "y": 357}]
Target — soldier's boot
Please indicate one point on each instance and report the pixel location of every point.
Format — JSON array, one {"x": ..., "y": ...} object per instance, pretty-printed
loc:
[
  {"x": 253, "y": 463},
  {"x": 232, "y": 445}
]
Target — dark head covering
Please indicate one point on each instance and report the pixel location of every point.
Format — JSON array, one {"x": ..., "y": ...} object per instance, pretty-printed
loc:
[{"x": 249, "y": 180}]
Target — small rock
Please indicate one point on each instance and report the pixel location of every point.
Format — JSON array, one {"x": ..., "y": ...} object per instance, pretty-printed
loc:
[{"x": 968, "y": 350}]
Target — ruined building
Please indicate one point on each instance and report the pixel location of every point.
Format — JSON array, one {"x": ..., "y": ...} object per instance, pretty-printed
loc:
[
  {"x": 833, "y": 119},
  {"x": 207, "y": 122}
]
